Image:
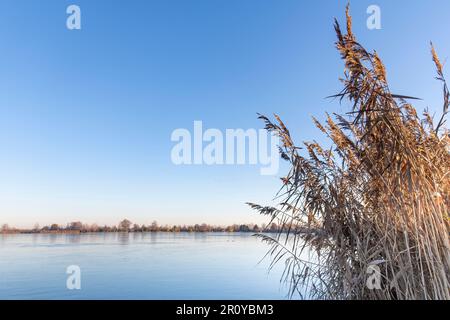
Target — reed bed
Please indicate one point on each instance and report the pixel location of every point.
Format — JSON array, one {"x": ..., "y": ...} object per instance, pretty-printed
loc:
[{"x": 377, "y": 200}]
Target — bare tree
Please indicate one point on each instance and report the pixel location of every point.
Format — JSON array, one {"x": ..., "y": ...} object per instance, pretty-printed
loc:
[{"x": 125, "y": 225}]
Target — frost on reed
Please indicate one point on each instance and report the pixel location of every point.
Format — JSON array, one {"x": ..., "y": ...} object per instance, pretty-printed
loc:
[{"x": 380, "y": 196}]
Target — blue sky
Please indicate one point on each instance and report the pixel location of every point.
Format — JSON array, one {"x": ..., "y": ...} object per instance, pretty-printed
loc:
[{"x": 86, "y": 116}]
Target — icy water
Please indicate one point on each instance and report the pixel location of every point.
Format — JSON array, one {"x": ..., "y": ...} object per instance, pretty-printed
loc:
[{"x": 137, "y": 266}]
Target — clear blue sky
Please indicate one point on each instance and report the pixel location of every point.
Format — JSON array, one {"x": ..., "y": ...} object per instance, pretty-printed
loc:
[{"x": 86, "y": 116}]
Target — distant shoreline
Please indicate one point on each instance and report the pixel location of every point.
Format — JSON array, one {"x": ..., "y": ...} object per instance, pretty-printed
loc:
[
  {"x": 74, "y": 232},
  {"x": 126, "y": 226}
]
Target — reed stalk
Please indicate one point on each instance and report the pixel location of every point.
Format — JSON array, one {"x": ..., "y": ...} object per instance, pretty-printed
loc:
[{"x": 379, "y": 197}]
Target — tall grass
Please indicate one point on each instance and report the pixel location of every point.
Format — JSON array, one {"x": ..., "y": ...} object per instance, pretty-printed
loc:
[{"x": 379, "y": 197}]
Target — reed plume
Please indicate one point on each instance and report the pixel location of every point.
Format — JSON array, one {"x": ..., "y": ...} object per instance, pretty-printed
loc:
[{"x": 378, "y": 198}]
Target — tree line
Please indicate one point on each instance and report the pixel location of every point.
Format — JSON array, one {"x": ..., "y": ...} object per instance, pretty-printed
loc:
[{"x": 127, "y": 226}]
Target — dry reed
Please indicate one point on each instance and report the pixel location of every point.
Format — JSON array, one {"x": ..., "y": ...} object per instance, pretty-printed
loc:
[{"x": 379, "y": 197}]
